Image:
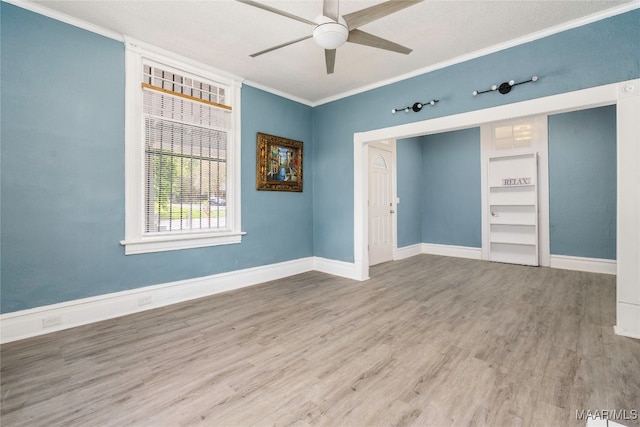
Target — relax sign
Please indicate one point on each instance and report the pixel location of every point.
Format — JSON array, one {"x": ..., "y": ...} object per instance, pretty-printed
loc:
[{"x": 516, "y": 181}]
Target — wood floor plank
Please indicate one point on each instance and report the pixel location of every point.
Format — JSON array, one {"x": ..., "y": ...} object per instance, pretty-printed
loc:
[{"x": 427, "y": 341}]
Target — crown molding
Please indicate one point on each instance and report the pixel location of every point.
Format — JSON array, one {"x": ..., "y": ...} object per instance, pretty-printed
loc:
[
  {"x": 279, "y": 93},
  {"x": 59, "y": 16},
  {"x": 635, "y": 4}
]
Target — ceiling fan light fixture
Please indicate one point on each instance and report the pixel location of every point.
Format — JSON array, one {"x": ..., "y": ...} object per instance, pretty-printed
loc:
[{"x": 330, "y": 35}]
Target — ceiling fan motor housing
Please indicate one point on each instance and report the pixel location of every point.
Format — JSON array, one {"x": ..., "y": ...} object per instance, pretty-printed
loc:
[{"x": 330, "y": 34}]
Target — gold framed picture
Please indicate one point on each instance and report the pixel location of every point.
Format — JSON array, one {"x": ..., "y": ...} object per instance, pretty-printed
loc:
[{"x": 278, "y": 163}]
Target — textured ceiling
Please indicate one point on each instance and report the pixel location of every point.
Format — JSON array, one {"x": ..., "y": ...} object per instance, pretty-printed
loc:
[{"x": 223, "y": 33}]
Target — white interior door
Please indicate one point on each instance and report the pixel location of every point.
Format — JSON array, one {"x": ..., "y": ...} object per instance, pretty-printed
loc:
[
  {"x": 513, "y": 206},
  {"x": 380, "y": 206}
]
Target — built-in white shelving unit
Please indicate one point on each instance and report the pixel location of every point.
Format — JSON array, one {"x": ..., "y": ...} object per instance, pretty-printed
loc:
[{"x": 513, "y": 209}]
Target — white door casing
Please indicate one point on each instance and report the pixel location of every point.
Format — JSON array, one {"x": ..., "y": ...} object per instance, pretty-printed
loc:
[{"x": 381, "y": 206}]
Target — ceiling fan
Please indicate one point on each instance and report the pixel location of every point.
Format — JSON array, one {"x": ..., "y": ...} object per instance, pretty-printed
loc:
[{"x": 332, "y": 30}]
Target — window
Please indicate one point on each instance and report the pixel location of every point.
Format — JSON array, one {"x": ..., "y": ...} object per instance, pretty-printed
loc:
[
  {"x": 380, "y": 163},
  {"x": 182, "y": 155},
  {"x": 512, "y": 136}
]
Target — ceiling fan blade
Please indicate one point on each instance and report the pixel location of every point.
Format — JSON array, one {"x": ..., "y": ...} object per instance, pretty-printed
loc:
[
  {"x": 330, "y": 59},
  {"x": 330, "y": 9},
  {"x": 276, "y": 11},
  {"x": 280, "y": 45},
  {"x": 359, "y": 18},
  {"x": 366, "y": 39}
]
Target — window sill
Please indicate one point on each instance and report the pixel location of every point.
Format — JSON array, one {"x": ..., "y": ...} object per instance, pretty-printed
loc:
[{"x": 177, "y": 242}]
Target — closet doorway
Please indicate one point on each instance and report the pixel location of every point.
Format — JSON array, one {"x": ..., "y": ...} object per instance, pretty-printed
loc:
[{"x": 515, "y": 191}]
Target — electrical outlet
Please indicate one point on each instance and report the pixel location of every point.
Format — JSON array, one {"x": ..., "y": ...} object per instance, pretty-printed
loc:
[
  {"x": 48, "y": 322},
  {"x": 144, "y": 300}
]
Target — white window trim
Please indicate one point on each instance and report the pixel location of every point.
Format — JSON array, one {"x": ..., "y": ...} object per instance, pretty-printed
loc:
[{"x": 135, "y": 240}]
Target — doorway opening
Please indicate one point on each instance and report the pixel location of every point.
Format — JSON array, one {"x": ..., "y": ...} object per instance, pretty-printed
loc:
[
  {"x": 515, "y": 222},
  {"x": 626, "y": 97}
]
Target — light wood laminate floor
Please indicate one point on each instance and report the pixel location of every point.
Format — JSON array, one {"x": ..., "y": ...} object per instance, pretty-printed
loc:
[{"x": 427, "y": 341}]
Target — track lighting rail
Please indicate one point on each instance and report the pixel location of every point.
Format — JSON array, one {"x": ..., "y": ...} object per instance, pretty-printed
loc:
[
  {"x": 415, "y": 107},
  {"x": 504, "y": 88}
]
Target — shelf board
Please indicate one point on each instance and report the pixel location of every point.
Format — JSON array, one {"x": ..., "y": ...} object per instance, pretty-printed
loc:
[
  {"x": 512, "y": 204},
  {"x": 492, "y": 187},
  {"x": 502, "y": 242}
]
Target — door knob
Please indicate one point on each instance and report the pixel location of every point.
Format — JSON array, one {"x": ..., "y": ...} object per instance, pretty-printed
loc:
[
  {"x": 494, "y": 214},
  {"x": 392, "y": 211}
]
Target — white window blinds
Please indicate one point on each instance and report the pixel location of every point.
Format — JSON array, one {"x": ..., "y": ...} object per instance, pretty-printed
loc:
[{"x": 186, "y": 134}]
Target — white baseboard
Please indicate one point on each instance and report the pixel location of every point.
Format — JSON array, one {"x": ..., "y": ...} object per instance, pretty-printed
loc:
[
  {"x": 627, "y": 320},
  {"x": 625, "y": 333},
  {"x": 348, "y": 270},
  {"x": 451, "y": 250},
  {"x": 407, "y": 251},
  {"x": 591, "y": 265},
  {"x": 42, "y": 320},
  {"x": 601, "y": 422},
  {"x": 437, "y": 249}
]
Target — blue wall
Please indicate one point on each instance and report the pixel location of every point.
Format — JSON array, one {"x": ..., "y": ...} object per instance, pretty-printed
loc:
[
  {"x": 62, "y": 154},
  {"x": 582, "y": 183},
  {"x": 439, "y": 189},
  {"x": 440, "y": 195},
  {"x": 63, "y": 173},
  {"x": 451, "y": 206},
  {"x": 409, "y": 172},
  {"x": 592, "y": 55}
]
